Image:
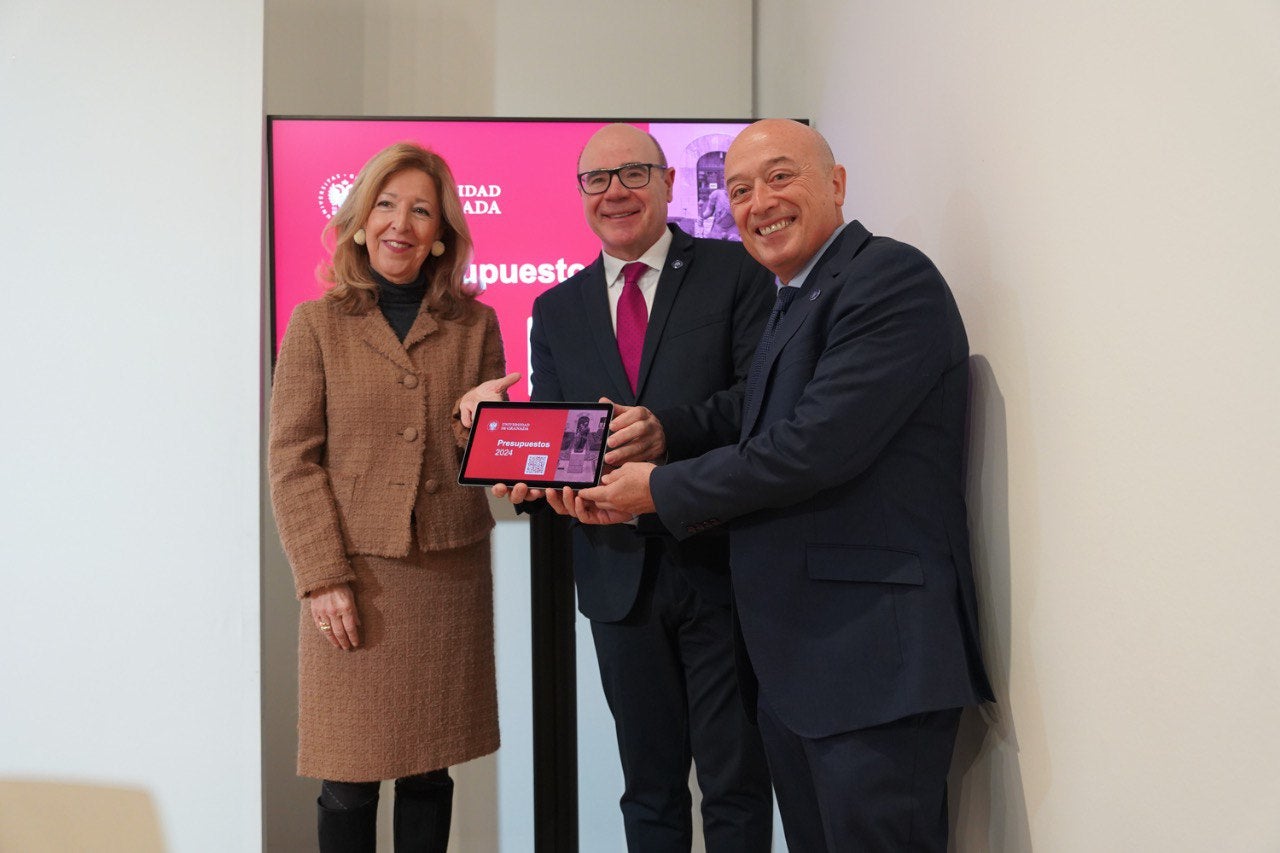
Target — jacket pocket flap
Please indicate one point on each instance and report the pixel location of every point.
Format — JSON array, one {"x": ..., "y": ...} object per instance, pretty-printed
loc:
[
  {"x": 693, "y": 324},
  {"x": 867, "y": 565}
]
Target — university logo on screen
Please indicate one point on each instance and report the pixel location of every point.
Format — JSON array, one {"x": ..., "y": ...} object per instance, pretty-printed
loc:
[
  {"x": 477, "y": 199},
  {"x": 333, "y": 192}
]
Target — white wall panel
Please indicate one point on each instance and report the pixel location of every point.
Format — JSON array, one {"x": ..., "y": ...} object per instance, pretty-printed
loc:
[
  {"x": 129, "y": 372},
  {"x": 1098, "y": 182}
]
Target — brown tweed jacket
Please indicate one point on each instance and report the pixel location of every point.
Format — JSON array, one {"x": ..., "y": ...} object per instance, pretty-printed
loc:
[{"x": 365, "y": 436}]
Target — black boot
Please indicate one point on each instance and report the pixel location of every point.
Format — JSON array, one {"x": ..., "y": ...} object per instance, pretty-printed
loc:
[
  {"x": 423, "y": 812},
  {"x": 348, "y": 830}
]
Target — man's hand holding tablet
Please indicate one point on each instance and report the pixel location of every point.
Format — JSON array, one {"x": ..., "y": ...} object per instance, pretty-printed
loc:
[{"x": 634, "y": 435}]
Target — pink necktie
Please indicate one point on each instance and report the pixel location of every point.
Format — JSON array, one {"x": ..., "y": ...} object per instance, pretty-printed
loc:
[{"x": 633, "y": 316}]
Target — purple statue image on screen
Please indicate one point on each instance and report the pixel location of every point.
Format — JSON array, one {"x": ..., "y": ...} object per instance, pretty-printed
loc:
[
  {"x": 699, "y": 203},
  {"x": 581, "y": 445}
]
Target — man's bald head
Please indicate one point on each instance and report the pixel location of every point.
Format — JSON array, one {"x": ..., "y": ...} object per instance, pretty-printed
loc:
[
  {"x": 614, "y": 132},
  {"x": 627, "y": 220},
  {"x": 786, "y": 191}
]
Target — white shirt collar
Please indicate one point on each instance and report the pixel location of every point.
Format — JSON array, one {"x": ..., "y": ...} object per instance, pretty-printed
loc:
[
  {"x": 655, "y": 256},
  {"x": 799, "y": 278}
]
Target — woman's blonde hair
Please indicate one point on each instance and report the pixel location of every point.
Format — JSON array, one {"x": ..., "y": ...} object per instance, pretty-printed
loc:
[{"x": 349, "y": 273}]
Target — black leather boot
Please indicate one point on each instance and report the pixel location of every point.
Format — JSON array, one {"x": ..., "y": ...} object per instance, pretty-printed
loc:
[
  {"x": 348, "y": 830},
  {"x": 423, "y": 813}
]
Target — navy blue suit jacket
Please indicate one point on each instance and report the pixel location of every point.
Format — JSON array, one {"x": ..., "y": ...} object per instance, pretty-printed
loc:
[
  {"x": 708, "y": 311},
  {"x": 844, "y": 496}
]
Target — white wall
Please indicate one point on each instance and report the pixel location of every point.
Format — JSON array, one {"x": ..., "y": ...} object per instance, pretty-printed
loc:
[
  {"x": 559, "y": 58},
  {"x": 130, "y": 143},
  {"x": 563, "y": 58},
  {"x": 661, "y": 58},
  {"x": 1099, "y": 184}
]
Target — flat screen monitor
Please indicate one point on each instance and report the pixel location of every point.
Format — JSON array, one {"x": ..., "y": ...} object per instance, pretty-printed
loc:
[{"x": 517, "y": 181}]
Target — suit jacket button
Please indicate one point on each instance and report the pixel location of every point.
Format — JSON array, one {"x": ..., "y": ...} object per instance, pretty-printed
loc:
[
  {"x": 410, "y": 381},
  {"x": 410, "y": 434},
  {"x": 431, "y": 487}
]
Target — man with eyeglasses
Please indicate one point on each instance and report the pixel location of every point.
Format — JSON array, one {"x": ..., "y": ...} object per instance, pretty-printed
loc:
[{"x": 662, "y": 324}]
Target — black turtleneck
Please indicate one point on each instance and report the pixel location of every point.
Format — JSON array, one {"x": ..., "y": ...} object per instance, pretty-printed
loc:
[{"x": 400, "y": 303}]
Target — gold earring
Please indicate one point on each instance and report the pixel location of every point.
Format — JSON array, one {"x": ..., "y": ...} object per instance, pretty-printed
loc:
[
  {"x": 358, "y": 237},
  {"x": 437, "y": 249}
]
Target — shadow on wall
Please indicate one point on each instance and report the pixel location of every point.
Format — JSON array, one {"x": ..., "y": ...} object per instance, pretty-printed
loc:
[
  {"x": 987, "y": 802},
  {"x": 288, "y": 801},
  {"x": 66, "y": 817}
]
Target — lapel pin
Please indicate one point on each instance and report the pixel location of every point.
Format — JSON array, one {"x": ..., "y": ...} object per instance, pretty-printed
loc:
[
  {"x": 675, "y": 265},
  {"x": 813, "y": 296}
]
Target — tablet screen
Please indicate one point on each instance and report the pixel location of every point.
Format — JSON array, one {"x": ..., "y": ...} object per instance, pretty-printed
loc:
[{"x": 541, "y": 444}]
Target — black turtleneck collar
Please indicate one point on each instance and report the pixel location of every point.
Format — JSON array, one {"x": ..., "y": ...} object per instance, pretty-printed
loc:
[{"x": 400, "y": 303}]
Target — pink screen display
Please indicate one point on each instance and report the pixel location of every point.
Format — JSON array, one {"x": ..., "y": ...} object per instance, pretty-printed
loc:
[{"x": 516, "y": 179}]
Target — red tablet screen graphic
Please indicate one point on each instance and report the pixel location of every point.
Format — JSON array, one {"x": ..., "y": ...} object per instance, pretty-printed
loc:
[{"x": 542, "y": 444}]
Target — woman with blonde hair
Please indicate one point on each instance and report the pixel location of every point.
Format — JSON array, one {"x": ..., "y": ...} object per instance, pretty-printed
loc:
[{"x": 374, "y": 390}]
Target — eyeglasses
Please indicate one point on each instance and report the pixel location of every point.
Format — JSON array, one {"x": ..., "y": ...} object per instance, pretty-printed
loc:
[{"x": 633, "y": 176}]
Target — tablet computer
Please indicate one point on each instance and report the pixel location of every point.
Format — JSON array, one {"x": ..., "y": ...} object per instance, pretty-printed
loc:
[{"x": 546, "y": 445}]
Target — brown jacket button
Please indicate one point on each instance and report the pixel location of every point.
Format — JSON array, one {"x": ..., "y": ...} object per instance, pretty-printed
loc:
[
  {"x": 409, "y": 433},
  {"x": 410, "y": 381},
  {"x": 431, "y": 487}
]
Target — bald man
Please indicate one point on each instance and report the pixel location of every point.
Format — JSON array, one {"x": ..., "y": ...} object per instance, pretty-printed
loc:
[
  {"x": 660, "y": 322},
  {"x": 844, "y": 498}
]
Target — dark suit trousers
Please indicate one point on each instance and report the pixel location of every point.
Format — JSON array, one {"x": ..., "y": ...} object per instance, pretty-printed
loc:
[
  {"x": 876, "y": 790},
  {"x": 669, "y": 678}
]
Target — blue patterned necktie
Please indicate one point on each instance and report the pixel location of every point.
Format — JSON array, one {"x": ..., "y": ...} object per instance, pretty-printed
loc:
[{"x": 756, "y": 377}]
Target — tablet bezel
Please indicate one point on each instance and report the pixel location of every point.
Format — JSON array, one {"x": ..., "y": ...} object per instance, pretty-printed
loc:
[{"x": 489, "y": 406}]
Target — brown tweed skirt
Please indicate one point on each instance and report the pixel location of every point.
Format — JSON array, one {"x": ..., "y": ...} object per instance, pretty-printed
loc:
[{"x": 419, "y": 693}]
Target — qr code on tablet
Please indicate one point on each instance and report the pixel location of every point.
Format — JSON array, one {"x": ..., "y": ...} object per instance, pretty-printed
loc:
[{"x": 536, "y": 465}]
